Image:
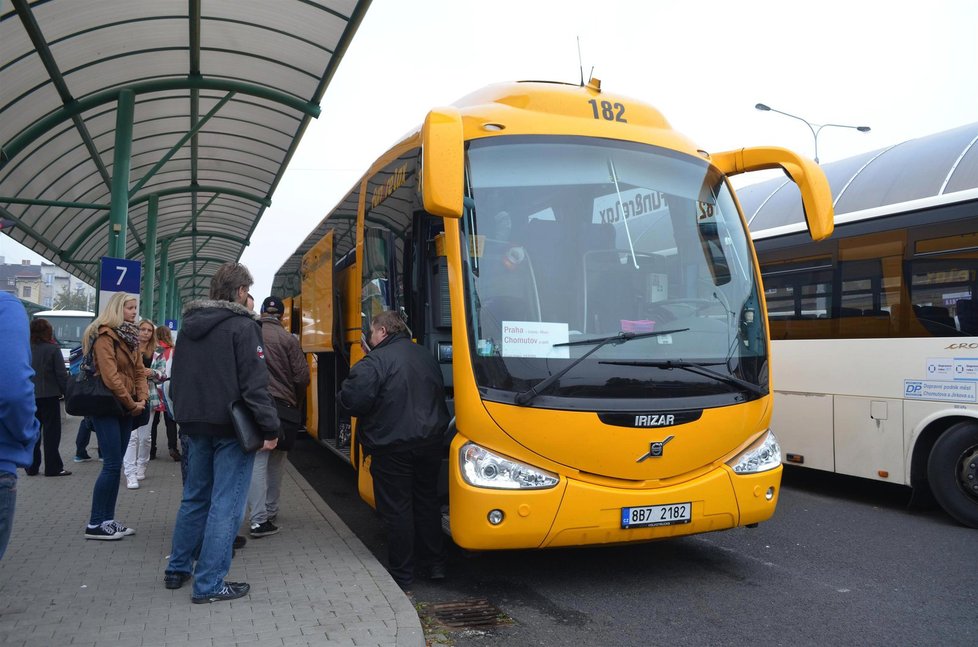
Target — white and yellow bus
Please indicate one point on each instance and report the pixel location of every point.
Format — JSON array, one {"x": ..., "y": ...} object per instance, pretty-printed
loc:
[
  {"x": 584, "y": 276},
  {"x": 875, "y": 330}
]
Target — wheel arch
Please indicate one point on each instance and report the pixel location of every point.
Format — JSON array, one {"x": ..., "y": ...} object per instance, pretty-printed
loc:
[{"x": 925, "y": 435}]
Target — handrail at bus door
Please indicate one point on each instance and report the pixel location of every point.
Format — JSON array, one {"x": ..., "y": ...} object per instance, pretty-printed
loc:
[{"x": 816, "y": 195}]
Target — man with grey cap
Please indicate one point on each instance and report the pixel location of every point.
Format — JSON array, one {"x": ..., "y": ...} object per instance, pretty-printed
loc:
[{"x": 288, "y": 375}]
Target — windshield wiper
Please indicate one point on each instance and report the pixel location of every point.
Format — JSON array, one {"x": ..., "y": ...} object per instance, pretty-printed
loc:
[
  {"x": 694, "y": 367},
  {"x": 622, "y": 337}
]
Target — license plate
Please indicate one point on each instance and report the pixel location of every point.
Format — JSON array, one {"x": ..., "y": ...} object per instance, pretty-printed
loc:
[{"x": 656, "y": 515}]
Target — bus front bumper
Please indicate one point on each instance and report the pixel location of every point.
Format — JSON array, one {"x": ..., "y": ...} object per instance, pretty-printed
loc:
[{"x": 577, "y": 513}]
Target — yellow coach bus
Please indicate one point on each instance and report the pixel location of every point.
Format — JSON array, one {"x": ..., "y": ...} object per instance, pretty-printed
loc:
[{"x": 584, "y": 276}]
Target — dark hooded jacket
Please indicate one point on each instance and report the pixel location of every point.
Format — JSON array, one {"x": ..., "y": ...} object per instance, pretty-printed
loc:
[
  {"x": 398, "y": 396},
  {"x": 218, "y": 359}
]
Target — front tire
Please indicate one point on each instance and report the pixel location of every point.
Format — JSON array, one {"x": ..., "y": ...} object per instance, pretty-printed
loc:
[{"x": 952, "y": 471}]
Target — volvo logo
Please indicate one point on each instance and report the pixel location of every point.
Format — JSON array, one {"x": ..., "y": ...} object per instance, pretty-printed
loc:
[{"x": 655, "y": 449}]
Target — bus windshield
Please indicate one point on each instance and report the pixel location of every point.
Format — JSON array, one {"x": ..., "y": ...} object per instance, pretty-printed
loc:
[
  {"x": 68, "y": 325},
  {"x": 574, "y": 239}
]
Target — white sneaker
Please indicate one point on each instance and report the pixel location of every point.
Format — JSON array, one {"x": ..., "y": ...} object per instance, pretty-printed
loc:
[
  {"x": 140, "y": 475},
  {"x": 132, "y": 483}
]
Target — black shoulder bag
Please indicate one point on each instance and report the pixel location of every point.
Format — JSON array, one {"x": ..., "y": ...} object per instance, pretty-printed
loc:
[
  {"x": 87, "y": 394},
  {"x": 246, "y": 429}
]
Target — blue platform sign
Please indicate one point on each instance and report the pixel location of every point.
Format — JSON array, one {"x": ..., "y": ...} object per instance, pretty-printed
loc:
[
  {"x": 171, "y": 324},
  {"x": 118, "y": 275}
]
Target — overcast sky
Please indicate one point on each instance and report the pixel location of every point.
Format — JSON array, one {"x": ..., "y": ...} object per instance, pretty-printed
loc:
[{"x": 904, "y": 68}]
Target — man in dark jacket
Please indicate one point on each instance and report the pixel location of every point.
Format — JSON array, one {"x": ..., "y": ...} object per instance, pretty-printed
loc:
[
  {"x": 288, "y": 375},
  {"x": 218, "y": 359},
  {"x": 398, "y": 396}
]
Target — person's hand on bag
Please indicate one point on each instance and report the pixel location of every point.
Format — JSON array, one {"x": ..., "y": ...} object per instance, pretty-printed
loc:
[
  {"x": 269, "y": 445},
  {"x": 139, "y": 408}
]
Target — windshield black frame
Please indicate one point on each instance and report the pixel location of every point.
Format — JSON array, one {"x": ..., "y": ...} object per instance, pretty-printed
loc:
[{"x": 715, "y": 238}]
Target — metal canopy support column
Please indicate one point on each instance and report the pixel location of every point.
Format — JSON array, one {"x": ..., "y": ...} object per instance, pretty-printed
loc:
[
  {"x": 164, "y": 281},
  {"x": 119, "y": 211},
  {"x": 149, "y": 264},
  {"x": 174, "y": 306}
]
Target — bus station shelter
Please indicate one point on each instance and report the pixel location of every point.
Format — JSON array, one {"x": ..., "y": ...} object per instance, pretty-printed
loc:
[{"x": 157, "y": 130}]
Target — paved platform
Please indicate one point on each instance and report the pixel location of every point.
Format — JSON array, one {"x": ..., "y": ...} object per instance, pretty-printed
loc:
[{"x": 314, "y": 583}]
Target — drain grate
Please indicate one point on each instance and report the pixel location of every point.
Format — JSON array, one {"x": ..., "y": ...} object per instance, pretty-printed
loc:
[{"x": 468, "y": 614}]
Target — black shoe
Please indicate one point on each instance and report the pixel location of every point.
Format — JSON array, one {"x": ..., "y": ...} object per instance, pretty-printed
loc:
[
  {"x": 239, "y": 542},
  {"x": 175, "y": 580},
  {"x": 104, "y": 531},
  {"x": 263, "y": 529},
  {"x": 436, "y": 572},
  {"x": 119, "y": 527},
  {"x": 175, "y": 455},
  {"x": 230, "y": 591},
  {"x": 32, "y": 472}
]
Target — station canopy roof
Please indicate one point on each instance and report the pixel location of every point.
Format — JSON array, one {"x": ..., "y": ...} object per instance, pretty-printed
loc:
[
  {"x": 916, "y": 173},
  {"x": 222, "y": 93}
]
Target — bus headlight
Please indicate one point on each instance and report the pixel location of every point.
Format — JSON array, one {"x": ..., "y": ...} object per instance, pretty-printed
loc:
[
  {"x": 763, "y": 455},
  {"x": 483, "y": 468}
]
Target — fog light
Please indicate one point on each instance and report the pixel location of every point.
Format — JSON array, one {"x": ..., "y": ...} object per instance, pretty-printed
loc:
[
  {"x": 496, "y": 517},
  {"x": 770, "y": 493}
]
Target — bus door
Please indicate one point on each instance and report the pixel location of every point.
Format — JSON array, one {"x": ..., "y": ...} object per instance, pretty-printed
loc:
[{"x": 376, "y": 296}]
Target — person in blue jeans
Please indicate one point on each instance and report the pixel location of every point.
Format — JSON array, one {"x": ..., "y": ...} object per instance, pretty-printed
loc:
[
  {"x": 19, "y": 428},
  {"x": 82, "y": 438},
  {"x": 113, "y": 341},
  {"x": 218, "y": 360}
]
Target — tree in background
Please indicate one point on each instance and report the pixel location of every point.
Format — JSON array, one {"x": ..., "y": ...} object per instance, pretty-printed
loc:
[{"x": 66, "y": 300}]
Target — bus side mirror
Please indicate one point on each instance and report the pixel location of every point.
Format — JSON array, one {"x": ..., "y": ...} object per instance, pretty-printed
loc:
[
  {"x": 816, "y": 196},
  {"x": 442, "y": 163}
]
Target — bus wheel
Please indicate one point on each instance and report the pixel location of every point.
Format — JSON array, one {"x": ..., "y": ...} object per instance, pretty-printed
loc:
[{"x": 952, "y": 471}]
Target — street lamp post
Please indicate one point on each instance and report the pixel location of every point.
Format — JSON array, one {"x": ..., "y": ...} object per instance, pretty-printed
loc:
[{"x": 815, "y": 128}]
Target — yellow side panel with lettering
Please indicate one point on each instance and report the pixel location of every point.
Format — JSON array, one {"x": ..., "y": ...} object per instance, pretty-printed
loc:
[{"x": 317, "y": 297}]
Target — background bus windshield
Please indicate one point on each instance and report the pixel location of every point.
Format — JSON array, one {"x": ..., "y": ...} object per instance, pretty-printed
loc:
[{"x": 576, "y": 239}]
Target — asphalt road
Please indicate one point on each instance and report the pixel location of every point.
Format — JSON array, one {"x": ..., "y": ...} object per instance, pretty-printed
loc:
[{"x": 843, "y": 562}]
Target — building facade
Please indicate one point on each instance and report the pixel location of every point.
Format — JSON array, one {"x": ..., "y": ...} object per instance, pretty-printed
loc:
[{"x": 43, "y": 284}]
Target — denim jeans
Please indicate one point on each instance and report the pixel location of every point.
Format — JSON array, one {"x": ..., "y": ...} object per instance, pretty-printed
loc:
[
  {"x": 184, "y": 453},
  {"x": 113, "y": 436},
  {"x": 82, "y": 437},
  {"x": 266, "y": 486},
  {"x": 213, "y": 506},
  {"x": 8, "y": 497}
]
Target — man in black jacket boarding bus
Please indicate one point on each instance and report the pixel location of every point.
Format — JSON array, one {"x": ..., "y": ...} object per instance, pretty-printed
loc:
[
  {"x": 398, "y": 396},
  {"x": 218, "y": 359}
]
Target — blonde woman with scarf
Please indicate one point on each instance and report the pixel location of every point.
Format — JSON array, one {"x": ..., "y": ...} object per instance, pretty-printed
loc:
[{"x": 113, "y": 339}]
